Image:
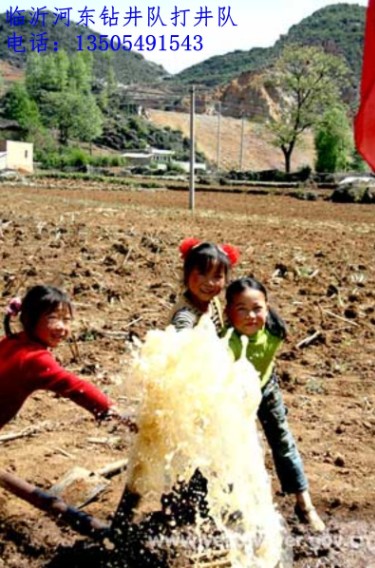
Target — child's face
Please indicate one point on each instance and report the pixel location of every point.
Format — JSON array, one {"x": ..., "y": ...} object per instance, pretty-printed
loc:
[
  {"x": 248, "y": 311},
  {"x": 204, "y": 287},
  {"x": 54, "y": 327}
]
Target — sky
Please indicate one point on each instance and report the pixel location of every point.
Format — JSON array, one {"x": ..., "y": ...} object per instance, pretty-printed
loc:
[{"x": 230, "y": 24}]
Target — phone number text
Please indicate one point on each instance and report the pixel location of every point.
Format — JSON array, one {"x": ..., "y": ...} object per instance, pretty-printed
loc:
[
  {"x": 41, "y": 43},
  {"x": 140, "y": 43}
]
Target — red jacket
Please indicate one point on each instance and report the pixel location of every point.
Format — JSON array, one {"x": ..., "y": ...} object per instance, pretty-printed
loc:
[{"x": 27, "y": 366}]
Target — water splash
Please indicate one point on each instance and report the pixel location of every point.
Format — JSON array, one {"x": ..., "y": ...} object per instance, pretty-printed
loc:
[{"x": 197, "y": 432}]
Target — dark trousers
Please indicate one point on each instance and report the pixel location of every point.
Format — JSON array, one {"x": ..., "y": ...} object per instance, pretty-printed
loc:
[{"x": 272, "y": 414}]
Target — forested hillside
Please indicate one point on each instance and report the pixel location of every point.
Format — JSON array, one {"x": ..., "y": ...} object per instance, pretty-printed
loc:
[
  {"x": 338, "y": 28},
  {"x": 128, "y": 66}
]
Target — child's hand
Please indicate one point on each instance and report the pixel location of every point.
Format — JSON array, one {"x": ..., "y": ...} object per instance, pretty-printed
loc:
[
  {"x": 122, "y": 417},
  {"x": 128, "y": 422}
]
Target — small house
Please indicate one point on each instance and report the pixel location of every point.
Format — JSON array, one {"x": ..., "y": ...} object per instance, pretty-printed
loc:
[
  {"x": 148, "y": 157},
  {"x": 15, "y": 155}
]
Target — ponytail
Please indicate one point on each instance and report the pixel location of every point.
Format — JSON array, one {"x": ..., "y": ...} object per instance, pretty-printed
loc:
[
  {"x": 275, "y": 324},
  {"x": 6, "y": 322},
  {"x": 13, "y": 309}
]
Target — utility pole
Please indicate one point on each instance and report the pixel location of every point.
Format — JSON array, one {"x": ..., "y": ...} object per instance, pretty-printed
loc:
[
  {"x": 242, "y": 140},
  {"x": 192, "y": 149},
  {"x": 218, "y": 148}
]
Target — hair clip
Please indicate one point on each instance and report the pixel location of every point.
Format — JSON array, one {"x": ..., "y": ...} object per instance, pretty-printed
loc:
[{"x": 14, "y": 307}]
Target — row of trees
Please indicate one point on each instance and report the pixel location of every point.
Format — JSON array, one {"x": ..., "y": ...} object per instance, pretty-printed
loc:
[
  {"x": 60, "y": 103},
  {"x": 57, "y": 94}
]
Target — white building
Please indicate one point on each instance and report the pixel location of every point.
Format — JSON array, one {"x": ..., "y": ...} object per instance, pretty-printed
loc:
[
  {"x": 16, "y": 155},
  {"x": 148, "y": 157},
  {"x": 198, "y": 166}
]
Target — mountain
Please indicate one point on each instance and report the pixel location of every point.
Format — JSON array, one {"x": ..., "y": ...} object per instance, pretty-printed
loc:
[
  {"x": 235, "y": 81},
  {"x": 129, "y": 66},
  {"x": 255, "y": 152},
  {"x": 338, "y": 28}
]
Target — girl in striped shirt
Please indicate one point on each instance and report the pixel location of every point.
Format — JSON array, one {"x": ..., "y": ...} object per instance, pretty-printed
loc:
[{"x": 205, "y": 275}]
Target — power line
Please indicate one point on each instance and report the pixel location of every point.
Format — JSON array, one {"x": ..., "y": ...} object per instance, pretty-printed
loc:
[
  {"x": 218, "y": 136},
  {"x": 192, "y": 150},
  {"x": 242, "y": 142}
]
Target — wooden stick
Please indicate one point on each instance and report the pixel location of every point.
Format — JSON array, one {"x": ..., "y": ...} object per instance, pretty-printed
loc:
[
  {"x": 109, "y": 440},
  {"x": 82, "y": 522},
  {"x": 133, "y": 321},
  {"x": 127, "y": 398},
  {"x": 121, "y": 334},
  {"x": 341, "y": 318},
  {"x": 125, "y": 260},
  {"x": 308, "y": 340},
  {"x": 74, "y": 347},
  {"x": 315, "y": 273},
  {"x": 115, "y": 334},
  {"x": 64, "y": 453},
  {"x": 15, "y": 435},
  {"x": 114, "y": 468}
]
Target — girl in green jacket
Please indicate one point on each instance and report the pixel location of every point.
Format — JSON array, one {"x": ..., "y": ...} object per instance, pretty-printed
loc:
[{"x": 248, "y": 312}]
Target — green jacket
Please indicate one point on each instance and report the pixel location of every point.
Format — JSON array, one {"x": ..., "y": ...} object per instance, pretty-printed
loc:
[{"x": 260, "y": 351}]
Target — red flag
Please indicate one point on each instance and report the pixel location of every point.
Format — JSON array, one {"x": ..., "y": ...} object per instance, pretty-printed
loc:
[{"x": 364, "y": 125}]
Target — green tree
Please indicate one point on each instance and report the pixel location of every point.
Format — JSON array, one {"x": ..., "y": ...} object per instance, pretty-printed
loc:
[
  {"x": 357, "y": 163},
  {"x": 62, "y": 64},
  {"x": 61, "y": 86},
  {"x": 81, "y": 72},
  {"x": 19, "y": 106},
  {"x": 74, "y": 115},
  {"x": 89, "y": 121},
  {"x": 47, "y": 73},
  {"x": 107, "y": 94},
  {"x": 333, "y": 141},
  {"x": 308, "y": 81}
]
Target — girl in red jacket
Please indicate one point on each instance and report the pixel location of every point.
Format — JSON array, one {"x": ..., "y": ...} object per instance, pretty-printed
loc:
[{"x": 26, "y": 363}]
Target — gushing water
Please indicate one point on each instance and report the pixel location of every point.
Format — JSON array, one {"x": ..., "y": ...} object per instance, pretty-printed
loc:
[{"x": 197, "y": 418}]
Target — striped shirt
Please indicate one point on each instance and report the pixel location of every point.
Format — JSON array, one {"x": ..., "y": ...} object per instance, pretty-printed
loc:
[{"x": 186, "y": 316}]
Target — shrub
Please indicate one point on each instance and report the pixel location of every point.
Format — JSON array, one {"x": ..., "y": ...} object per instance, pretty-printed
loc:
[
  {"x": 333, "y": 141},
  {"x": 75, "y": 157}
]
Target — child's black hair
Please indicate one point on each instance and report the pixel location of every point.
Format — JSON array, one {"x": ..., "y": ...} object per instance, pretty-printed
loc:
[
  {"x": 38, "y": 300},
  {"x": 274, "y": 323},
  {"x": 203, "y": 257}
]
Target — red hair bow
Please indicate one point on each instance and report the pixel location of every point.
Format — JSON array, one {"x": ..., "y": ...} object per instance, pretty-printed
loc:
[
  {"x": 188, "y": 244},
  {"x": 232, "y": 253}
]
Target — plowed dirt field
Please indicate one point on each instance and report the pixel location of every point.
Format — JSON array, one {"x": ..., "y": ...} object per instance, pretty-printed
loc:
[{"x": 116, "y": 254}]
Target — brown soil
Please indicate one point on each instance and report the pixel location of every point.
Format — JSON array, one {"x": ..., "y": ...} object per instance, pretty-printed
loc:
[
  {"x": 116, "y": 253},
  {"x": 258, "y": 153}
]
